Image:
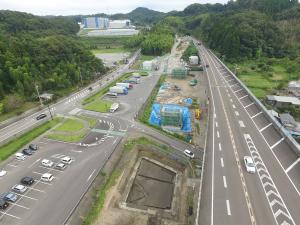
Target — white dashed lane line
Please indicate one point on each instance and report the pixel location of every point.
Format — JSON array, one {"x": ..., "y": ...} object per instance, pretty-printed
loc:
[
  {"x": 237, "y": 113},
  {"x": 222, "y": 162},
  {"x": 233, "y": 106},
  {"x": 228, "y": 208},
  {"x": 220, "y": 147},
  {"x": 224, "y": 182},
  {"x": 241, "y": 123},
  {"x": 217, "y": 124}
]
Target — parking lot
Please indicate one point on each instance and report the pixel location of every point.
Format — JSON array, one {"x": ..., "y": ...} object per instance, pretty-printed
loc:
[{"x": 61, "y": 194}]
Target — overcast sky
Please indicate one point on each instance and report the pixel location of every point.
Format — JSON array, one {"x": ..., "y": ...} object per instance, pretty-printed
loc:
[{"x": 72, "y": 7}]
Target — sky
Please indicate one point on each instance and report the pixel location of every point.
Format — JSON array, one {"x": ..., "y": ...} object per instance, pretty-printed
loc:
[{"x": 74, "y": 7}]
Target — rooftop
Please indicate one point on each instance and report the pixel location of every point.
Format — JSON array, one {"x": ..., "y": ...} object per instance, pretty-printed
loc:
[{"x": 287, "y": 99}]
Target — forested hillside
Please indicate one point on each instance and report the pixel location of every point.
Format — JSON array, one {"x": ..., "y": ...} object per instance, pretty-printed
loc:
[{"x": 40, "y": 51}]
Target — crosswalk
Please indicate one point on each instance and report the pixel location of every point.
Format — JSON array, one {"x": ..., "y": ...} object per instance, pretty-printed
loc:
[{"x": 77, "y": 96}]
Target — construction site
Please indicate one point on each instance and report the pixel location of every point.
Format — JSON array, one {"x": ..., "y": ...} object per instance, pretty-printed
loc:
[{"x": 181, "y": 103}]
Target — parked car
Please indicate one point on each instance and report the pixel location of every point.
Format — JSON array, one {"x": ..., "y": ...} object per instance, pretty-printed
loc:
[
  {"x": 206, "y": 65},
  {"x": 90, "y": 88},
  {"x": 41, "y": 116},
  {"x": 249, "y": 164},
  {"x": 189, "y": 153},
  {"x": 20, "y": 156},
  {"x": 9, "y": 196},
  {"x": 2, "y": 173},
  {"x": 47, "y": 163},
  {"x": 67, "y": 160},
  {"x": 112, "y": 94},
  {"x": 27, "y": 151},
  {"x": 33, "y": 147},
  {"x": 61, "y": 166},
  {"x": 47, "y": 177},
  {"x": 3, "y": 204},
  {"x": 19, "y": 188},
  {"x": 27, "y": 180}
]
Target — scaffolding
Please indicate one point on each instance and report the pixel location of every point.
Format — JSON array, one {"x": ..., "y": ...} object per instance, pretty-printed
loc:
[
  {"x": 179, "y": 73},
  {"x": 171, "y": 117}
]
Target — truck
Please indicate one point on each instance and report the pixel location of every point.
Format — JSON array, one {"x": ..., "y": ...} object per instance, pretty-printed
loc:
[
  {"x": 118, "y": 90},
  {"x": 127, "y": 85},
  {"x": 114, "y": 107}
]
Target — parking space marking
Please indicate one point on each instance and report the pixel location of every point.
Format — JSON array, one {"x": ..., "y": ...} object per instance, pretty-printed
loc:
[
  {"x": 238, "y": 90},
  {"x": 7, "y": 214},
  {"x": 224, "y": 182},
  {"x": 262, "y": 129},
  {"x": 34, "y": 163},
  {"x": 256, "y": 114},
  {"x": 12, "y": 165},
  {"x": 277, "y": 143},
  {"x": 25, "y": 196},
  {"x": 228, "y": 208},
  {"x": 222, "y": 162},
  {"x": 50, "y": 168},
  {"x": 21, "y": 206},
  {"x": 34, "y": 189},
  {"x": 237, "y": 113},
  {"x": 241, "y": 123},
  {"x": 292, "y": 165},
  {"x": 42, "y": 182}
]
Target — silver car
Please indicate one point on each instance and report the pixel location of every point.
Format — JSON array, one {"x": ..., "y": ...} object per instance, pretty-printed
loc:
[
  {"x": 19, "y": 188},
  {"x": 249, "y": 164}
]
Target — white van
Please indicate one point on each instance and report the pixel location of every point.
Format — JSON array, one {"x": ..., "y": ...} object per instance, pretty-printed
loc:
[
  {"x": 20, "y": 156},
  {"x": 112, "y": 95},
  {"x": 48, "y": 177},
  {"x": 67, "y": 160}
]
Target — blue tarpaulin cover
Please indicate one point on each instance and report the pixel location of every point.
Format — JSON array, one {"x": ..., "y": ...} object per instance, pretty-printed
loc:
[
  {"x": 188, "y": 101},
  {"x": 155, "y": 118}
]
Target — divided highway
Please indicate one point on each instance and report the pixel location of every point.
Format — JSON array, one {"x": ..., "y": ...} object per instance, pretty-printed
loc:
[{"x": 238, "y": 128}]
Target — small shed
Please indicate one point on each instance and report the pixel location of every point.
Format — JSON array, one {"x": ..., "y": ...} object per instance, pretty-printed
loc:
[
  {"x": 194, "y": 60},
  {"x": 294, "y": 86},
  {"x": 147, "y": 65},
  {"x": 46, "y": 96}
]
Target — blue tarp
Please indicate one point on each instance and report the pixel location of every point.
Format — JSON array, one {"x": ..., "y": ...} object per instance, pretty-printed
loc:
[
  {"x": 155, "y": 118},
  {"x": 188, "y": 101}
]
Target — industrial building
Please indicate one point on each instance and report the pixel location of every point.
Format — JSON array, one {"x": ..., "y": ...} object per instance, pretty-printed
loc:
[
  {"x": 283, "y": 101},
  {"x": 119, "y": 24},
  {"x": 96, "y": 23}
]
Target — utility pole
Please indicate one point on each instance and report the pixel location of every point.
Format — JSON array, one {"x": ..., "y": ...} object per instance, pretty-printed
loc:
[
  {"x": 50, "y": 111},
  {"x": 37, "y": 90}
]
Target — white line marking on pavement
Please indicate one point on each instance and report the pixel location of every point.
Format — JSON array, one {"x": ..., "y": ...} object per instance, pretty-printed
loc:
[
  {"x": 249, "y": 105},
  {"x": 230, "y": 80},
  {"x": 228, "y": 208},
  {"x": 91, "y": 175},
  {"x": 228, "y": 95},
  {"x": 34, "y": 163},
  {"x": 224, "y": 182},
  {"x": 243, "y": 97},
  {"x": 262, "y": 129},
  {"x": 220, "y": 147},
  {"x": 21, "y": 206},
  {"x": 77, "y": 151},
  {"x": 25, "y": 196},
  {"x": 241, "y": 123},
  {"x": 231, "y": 100},
  {"x": 277, "y": 143},
  {"x": 256, "y": 114},
  {"x": 238, "y": 90},
  {"x": 222, "y": 162},
  {"x": 7, "y": 214},
  {"x": 216, "y": 124},
  {"x": 237, "y": 113},
  {"x": 215, "y": 115},
  {"x": 291, "y": 166},
  {"x": 11, "y": 165},
  {"x": 233, "y": 106},
  {"x": 34, "y": 189},
  {"x": 218, "y": 134},
  {"x": 114, "y": 141},
  {"x": 234, "y": 84}
]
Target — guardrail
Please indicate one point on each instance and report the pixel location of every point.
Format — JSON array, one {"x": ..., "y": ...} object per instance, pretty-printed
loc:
[{"x": 289, "y": 139}]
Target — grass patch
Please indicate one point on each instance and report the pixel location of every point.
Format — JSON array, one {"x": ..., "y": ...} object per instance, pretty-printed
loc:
[
  {"x": 109, "y": 50},
  {"x": 14, "y": 145},
  {"x": 99, "y": 106},
  {"x": 104, "y": 42},
  {"x": 100, "y": 93},
  {"x": 100, "y": 198},
  {"x": 71, "y": 125},
  {"x": 67, "y": 138},
  {"x": 92, "y": 121}
]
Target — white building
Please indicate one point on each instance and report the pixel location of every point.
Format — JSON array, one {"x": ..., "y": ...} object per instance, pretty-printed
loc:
[
  {"x": 194, "y": 60},
  {"x": 96, "y": 23},
  {"x": 119, "y": 24},
  {"x": 294, "y": 86}
]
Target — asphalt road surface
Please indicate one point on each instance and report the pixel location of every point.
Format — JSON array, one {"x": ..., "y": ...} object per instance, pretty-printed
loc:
[{"x": 237, "y": 128}]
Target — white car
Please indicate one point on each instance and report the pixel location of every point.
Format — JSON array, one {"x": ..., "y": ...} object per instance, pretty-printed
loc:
[
  {"x": 19, "y": 188},
  {"x": 67, "y": 160},
  {"x": 249, "y": 164},
  {"x": 20, "y": 156},
  {"x": 60, "y": 166},
  {"x": 189, "y": 153},
  {"x": 47, "y": 163},
  {"x": 48, "y": 177},
  {"x": 2, "y": 173}
]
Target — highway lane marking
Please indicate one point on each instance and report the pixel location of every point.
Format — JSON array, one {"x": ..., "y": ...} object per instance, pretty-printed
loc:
[
  {"x": 237, "y": 158},
  {"x": 228, "y": 95},
  {"x": 91, "y": 175},
  {"x": 237, "y": 113},
  {"x": 34, "y": 163},
  {"x": 222, "y": 162},
  {"x": 231, "y": 100},
  {"x": 262, "y": 129},
  {"x": 292, "y": 165},
  {"x": 241, "y": 123},
  {"x": 220, "y": 147},
  {"x": 224, "y": 182},
  {"x": 215, "y": 115},
  {"x": 249, "y": 105},
  {"x": 280, "y": 212},
  {"x": 256, "y": 114},
  {"x": 216, "y": 124},
  {"x": 233, "y": 106},
  {"x": 243, "y": 97},
  {"x": 238, "y": 90},
  {"x": 218, "y": 134},
  {"x": 228, "y": 208},
  {"x": 277, "y": 143}
]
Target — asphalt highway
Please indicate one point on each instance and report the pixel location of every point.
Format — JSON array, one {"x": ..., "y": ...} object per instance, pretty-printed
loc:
[{"x": 237, "y": 127}]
